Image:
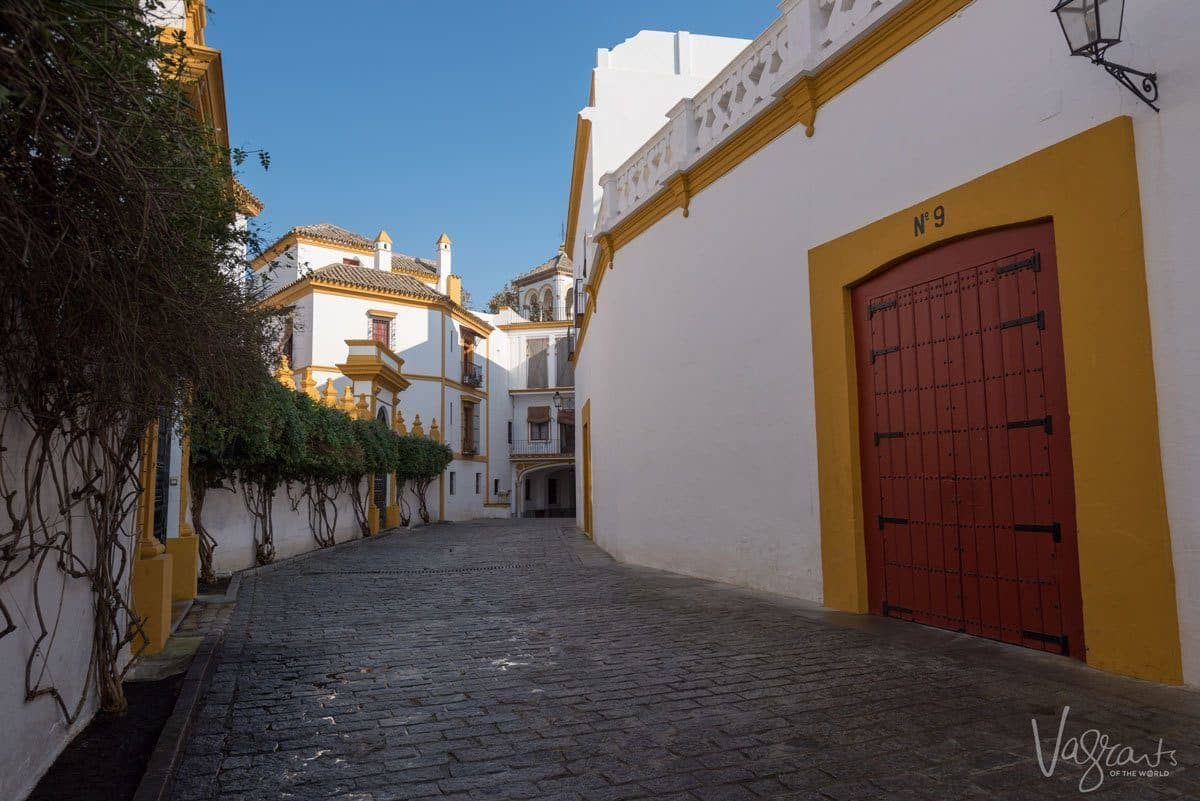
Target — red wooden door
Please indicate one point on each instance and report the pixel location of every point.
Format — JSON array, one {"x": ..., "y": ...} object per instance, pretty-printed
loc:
[{"x": 968, "y": 491}]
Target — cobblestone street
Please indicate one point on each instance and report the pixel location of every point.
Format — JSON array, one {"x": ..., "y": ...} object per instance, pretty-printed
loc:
[{"x": 514, "y": 659}]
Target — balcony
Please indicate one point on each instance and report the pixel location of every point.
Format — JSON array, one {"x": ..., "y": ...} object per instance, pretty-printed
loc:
[
  {"x": 554, "y": 446},
  {"x": 472, "y": 374},
  {"x": 538, "y": 313}
]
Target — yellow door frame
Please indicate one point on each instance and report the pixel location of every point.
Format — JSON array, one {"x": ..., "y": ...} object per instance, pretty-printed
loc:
[
  {"x": 588, "y": 525},
  {"x": 1088, "y": 186}
]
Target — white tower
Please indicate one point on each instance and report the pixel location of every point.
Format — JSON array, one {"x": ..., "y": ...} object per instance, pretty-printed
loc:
[
  {"x": 443, "y": 261},
  {"x": 383, "y": 251}
]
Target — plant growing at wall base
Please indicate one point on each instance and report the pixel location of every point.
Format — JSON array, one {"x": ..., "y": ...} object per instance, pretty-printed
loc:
[{"x": 116, "y": 247}]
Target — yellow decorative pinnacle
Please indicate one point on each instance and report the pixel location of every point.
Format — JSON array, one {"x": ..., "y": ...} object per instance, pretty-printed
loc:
[
  {"x": 398, "y": 423},
  {"x": 435, "y": 433},
  {"x": 348, "y": 401},
  {"x": 284, "y": 374},
  {"x": 308, "y": 384},
  {"x": 418, "y": 430},
  {"x": 330, "y": 393}
]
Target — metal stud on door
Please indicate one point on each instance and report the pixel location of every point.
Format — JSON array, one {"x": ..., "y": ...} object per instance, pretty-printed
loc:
[{"x": 967, "y": 478}]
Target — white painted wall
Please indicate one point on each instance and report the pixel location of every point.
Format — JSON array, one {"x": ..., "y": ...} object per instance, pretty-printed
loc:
[
  {"x": 636, "y": 83},
  {"x": 724, "y": 486},
  {"x": 226, "y": 519},
  {"x": 35, "y": 732}
]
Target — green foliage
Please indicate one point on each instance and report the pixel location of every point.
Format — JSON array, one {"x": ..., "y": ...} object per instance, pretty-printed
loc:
[
  {"x": 421, "y": 459},
  {"x": 268, "y": 435}
]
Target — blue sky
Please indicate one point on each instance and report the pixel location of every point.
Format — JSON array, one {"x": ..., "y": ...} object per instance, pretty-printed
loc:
[{"x": 426, "y": 116}]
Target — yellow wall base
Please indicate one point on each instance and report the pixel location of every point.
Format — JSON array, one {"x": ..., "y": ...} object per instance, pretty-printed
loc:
[
  {"x": 185, "y": 566},
  {"x": 373, "y": 519},
  {"x": 392, "y": 517},
  {"x": 152, "y": 602}
]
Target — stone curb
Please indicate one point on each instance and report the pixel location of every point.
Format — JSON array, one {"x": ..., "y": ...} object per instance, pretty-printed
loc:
[{"x": 160, "y": 770}]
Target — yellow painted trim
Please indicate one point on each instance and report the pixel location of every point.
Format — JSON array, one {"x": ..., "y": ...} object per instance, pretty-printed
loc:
[
  {"x": 472, "y": 394},
  {"x": 589, "y": 525},
  {"x": 150, "y": 586},
  {"x": 390, "y": 315},
  {"x": 1126, "y": 571},
  {"x": 798, "y": 106},
  {"x": 442, "y": 414},
  {"x": 294, "y": 292},
  {"x": 564, "y": 324},
  {"x": 496, "y": 505},
  {"x": 583, "y": 139},
  {"x": 487, "y": 421}
]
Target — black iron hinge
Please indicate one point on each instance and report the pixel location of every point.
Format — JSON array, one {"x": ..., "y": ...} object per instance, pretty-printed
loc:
[
  {"x": 883, "y": 352},
  {"x": 878, "y": 307},
  {"x": 1034, "y": 262},
  {"x": 1054, "y": 529},
  {"x": 887, "y": 435},
  {"x": 1060, "y": 639},
  {"x": 1039, "y": 318},
  {"x": 900, "y": 521},
  {"x": 1041, "y": 422}
]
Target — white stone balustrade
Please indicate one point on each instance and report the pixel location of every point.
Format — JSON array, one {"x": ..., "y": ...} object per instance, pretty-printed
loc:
[{"x": 807, "y": 34}]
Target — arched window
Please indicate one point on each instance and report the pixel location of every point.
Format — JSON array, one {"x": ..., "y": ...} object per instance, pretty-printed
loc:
[
  {"x": 570, "y": 303},
  {"x": 532, "y": 306},
  {"x": 547, "y": 304}
]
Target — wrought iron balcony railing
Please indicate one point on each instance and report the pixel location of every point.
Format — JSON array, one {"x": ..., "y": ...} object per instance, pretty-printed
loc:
[
  {"x": 538, "y": 313},
  {"x": 472, "y": 374},
  {"x": 554, "y": 446}
]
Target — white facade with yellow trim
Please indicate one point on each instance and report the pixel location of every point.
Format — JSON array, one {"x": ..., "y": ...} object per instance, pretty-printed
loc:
[{"x": 797, "y": 172}]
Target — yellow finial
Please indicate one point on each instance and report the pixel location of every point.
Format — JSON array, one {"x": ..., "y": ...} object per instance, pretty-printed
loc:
[
  {"x": 284, "y": 374},
  {"x": 362, "y": 410},
  {"x": 418, "y": 430},
  {"x": 382, "y": 236},
  {"x": 443, "y": 239},
  {"x": 309, "y": 384},
  {"x": 435, "y": 433},
  {"x": 398, "y": 423},
  {"x": 348, "y": 401},
  {"x": 330, "y": 393}
]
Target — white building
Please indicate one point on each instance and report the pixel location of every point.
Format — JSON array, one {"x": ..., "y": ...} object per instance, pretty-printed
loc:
[
  {"x": 388, "y": 333},
  {"x": 532, "y": 351},
  {"x": 756, "y": 237}
]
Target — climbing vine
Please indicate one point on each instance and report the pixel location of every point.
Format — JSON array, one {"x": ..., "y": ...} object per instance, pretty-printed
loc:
[
  {"x": 270, "y": 437},
  {"x": 118, "y": 293}
]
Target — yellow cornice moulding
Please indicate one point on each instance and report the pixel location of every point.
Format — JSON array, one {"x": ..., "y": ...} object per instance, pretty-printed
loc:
[
  {"x": 583, "y": 138},
  {"x": 797, "y": 104}
]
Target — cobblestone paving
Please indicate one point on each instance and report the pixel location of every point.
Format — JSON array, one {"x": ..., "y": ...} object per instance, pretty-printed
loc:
[{"x": 512, "y": 659}]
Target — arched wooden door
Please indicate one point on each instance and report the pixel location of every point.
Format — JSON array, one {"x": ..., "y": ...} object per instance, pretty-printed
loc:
[{"x": 968, "y": 490}]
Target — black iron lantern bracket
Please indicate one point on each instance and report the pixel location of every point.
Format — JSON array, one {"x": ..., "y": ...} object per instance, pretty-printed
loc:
[
  {"x": 1091, "y": 27},
  {"x": 1142, "y": 84}
]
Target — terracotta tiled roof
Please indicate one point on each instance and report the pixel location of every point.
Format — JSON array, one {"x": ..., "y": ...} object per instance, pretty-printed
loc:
[
  {"x": 248, "y": 202},
  {"x": 366, "y": 277},
  {"x": 560, "y": 264},
  {"x": 413, "y": 264},
  {"x": 399, "y": 283},
  {"x": 336, "y": 235}
]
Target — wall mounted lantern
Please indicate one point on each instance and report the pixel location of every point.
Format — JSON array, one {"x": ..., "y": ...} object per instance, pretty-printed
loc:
[
  {"x": 561, "y": 403},
  {"x": 1093, "y": 26}
]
